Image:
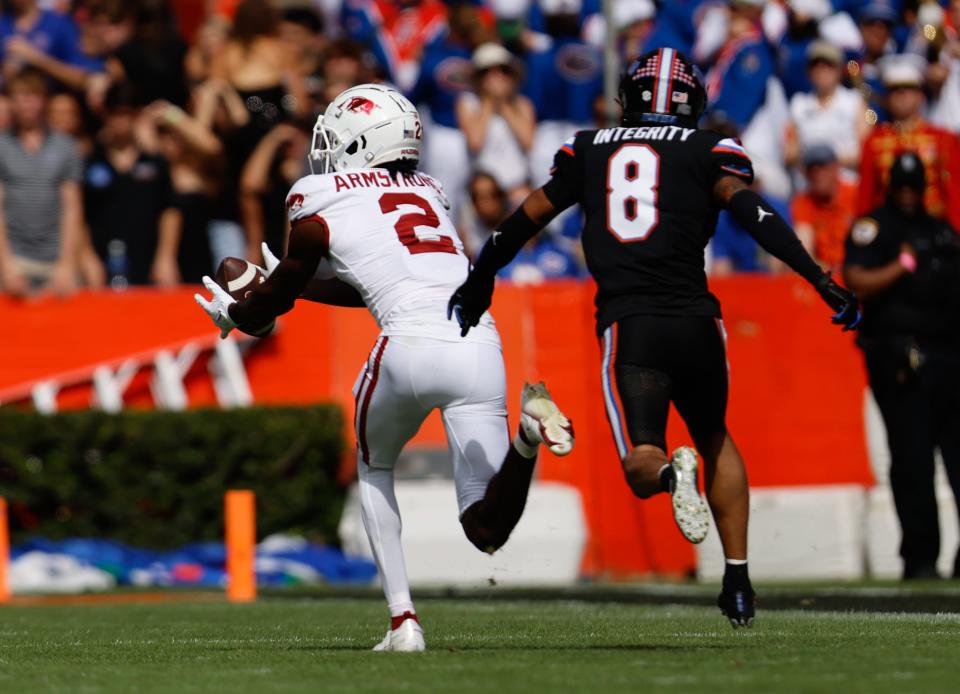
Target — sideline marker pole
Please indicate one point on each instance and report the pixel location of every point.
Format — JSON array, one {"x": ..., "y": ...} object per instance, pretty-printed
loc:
[
  {"x": 4, "y": 552},
  {"x": 241, "y": 540}
]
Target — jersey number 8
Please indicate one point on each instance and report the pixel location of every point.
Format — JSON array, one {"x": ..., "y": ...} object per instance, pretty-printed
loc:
[{"x": 633, "y": 175}]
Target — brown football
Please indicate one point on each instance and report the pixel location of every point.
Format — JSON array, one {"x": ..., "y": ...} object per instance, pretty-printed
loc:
[{"x": 238, "y": 276}]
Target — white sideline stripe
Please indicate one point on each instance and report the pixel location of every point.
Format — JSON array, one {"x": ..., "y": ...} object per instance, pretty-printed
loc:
[
  {"x": 611, "y": 406},
  {"x": 244, "y": 279},
  {"x": 663, "y": 79}
]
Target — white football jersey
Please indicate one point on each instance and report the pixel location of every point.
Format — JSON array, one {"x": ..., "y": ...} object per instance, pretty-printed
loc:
[{"x": 392, "y": 239}]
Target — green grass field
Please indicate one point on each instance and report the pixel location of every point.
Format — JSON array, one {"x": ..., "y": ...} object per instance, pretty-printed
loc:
[{"x": 476, "y": 646}]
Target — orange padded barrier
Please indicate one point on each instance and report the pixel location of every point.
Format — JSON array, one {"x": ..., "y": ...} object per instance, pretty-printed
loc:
[
  {"x": 240, "y": 530},
  {"x": 796, "y": 404}
]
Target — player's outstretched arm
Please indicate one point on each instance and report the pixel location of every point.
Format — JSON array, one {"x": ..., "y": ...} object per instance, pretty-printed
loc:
[
  {"x": 277, "y": 294},
  {"x": 332, "y": 292},
  {"x": 777, "y": 238},
  {"x": 473, "y": 297}
]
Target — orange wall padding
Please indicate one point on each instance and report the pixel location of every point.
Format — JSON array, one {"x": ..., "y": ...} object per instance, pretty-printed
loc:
[{"x": 796, "y": 403}]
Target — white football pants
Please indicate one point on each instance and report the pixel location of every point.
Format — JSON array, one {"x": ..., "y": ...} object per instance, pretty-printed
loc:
[{"x": 404, "y": 379}]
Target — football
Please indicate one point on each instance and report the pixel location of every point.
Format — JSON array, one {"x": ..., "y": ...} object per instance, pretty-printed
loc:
[{"x": 238, "y": 277}]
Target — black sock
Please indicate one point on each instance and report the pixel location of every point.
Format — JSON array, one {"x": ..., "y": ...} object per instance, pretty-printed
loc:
[{"x": 667, "y": 478}]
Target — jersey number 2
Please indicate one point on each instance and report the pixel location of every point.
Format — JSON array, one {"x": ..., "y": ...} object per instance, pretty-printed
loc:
[
  {"x": 407, "y": 224},
  {"x": 633, "y": 176}
]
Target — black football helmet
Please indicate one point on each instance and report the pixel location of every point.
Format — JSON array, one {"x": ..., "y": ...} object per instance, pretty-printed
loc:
[{"x": 662, "y": 86}]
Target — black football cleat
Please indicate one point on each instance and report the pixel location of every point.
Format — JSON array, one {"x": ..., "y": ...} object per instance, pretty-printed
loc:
[{"x": 737, "y": 604}]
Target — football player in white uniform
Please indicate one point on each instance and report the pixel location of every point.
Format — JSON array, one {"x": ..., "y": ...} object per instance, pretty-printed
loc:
[{"x": 369, "y": 230}]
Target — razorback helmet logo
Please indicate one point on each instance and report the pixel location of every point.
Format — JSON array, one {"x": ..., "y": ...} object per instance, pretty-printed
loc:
[
  {"x": 294, "y": 202},
  {"x": 358, "y": 104}
]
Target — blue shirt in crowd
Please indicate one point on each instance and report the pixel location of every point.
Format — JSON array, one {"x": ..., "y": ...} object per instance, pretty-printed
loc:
[
  {"x": 547, "y": 260},
  {"x": 445, "y": 71},
  {"x": 54, "y": 33},
  {"x": 738, "y": 85},
  {"x": 564, "y": 80},
  {"x": 675, "y": 26}
]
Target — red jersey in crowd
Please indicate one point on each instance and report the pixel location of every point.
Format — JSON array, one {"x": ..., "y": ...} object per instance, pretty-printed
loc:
[{"x": 938, "y": 149}]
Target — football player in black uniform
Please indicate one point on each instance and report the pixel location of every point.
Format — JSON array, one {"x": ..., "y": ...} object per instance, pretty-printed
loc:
[{"x": 651, "y": 190}]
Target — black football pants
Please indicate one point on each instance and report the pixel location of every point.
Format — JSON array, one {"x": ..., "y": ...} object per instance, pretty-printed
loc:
[
  {"x": 651, "y": 360},
  {"x": 919, "y": 399}
]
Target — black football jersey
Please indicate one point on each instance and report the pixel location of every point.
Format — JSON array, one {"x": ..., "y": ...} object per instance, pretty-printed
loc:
[{"x": 647, "y": 196}]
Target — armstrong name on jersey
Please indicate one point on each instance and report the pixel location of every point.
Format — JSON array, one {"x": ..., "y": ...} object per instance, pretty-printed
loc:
[{"x": 380, "y": 178}]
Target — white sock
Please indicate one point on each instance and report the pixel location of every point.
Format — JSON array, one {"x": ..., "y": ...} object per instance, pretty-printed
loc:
[
  {"x": 737, "y": 562},
  {"x": 524, "y": 448},
  {"x": 381, "y": 519}
]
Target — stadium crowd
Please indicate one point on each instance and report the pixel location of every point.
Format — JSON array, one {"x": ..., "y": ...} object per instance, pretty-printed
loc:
[{"x": 144, "y": 140}]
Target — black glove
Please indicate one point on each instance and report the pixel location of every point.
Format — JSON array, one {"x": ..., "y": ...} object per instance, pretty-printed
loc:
[
  {"x": 840, "y": 300},
  {"x": 470, "y": 301}
]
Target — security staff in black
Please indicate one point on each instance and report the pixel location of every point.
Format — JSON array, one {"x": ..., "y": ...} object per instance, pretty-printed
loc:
[
  {"x": 651, "y": 190},
  {"x": 906, "y": 266}
]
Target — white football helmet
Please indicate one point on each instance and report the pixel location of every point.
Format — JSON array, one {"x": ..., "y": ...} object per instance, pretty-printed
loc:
[{"x": 364, "y": 127}]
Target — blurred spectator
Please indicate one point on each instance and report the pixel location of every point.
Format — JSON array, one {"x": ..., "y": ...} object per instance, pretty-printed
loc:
[
  {"x": 275, "y": 165},
  {"x": 302, "y": 28},
  {"x": 830, "y": 114},
  {"x": 257, "y": 70},
  {"x": 133, "y": 225},
  {"x": 876, "y": 21},
  {"x": 445, "y": 73},
  {"x": 143, "y": 48},
  {"x": 498, "y": 122},
  {"x": 192, "y": 153},
  {"x": 487, "y": 208},
  {"x": 40, "y": 173},
  {"x": 945, "y": 109},
  {"x": 6, "y": 114},
  {"x": 904, "y": 264},
  {"x": 211, "y": 38},
  {"x": 397, "y": 31},
  {"x": 633, "y": 24},
  {"x": 743, "y": 88},
  {"x": 908, "y": 131},
  {"x": 737, "y": 83},
  {"x": 634, "y": 21},
  {"x": 823, "y": 212},
  {"x": 65, "y": 114},
  {"x": 46, "y": 40},
  {"x": 803, "y": 28},
  {"x": 563, "y": 77},
  {"x": 676, "y": 26},
  {"x": 261, "y": 67},
  {"x": 344, "y": 66}
]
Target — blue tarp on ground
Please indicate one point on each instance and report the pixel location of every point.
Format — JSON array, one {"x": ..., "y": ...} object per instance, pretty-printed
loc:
[{"x": 280, "y": 561}]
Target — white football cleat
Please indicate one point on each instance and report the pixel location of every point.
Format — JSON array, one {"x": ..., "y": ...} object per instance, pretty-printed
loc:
[
  {"x": 542, "y": 420},
  {"x": 689, "y": 509},
  {"x": 406, "y": 638}
]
